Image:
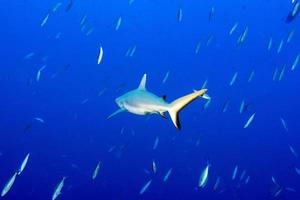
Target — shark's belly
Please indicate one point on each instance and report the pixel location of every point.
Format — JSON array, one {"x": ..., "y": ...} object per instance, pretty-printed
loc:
[{"x": 144, "y": 108}]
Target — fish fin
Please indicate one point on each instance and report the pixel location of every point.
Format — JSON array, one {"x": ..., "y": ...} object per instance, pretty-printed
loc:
[
  {"x": 142, "y": 85},
  {"x": 115, "y": 113},
  {"x": 204, "y": 96},
  {"x": 176, "y": 106},
  {"x": 162, "y": 114}
]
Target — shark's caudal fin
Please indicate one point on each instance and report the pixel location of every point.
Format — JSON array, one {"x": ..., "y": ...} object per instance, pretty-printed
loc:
[{"x": 176, "y": 106}]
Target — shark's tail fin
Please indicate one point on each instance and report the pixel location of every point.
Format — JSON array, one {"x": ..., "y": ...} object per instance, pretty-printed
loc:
[{"x": 176, "y": 106}]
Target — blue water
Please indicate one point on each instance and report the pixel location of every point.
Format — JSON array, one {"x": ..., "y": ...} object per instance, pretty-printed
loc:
[{"x": 76, "y": 134}]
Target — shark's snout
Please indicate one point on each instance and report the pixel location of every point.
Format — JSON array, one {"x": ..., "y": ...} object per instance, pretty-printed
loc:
[{"x": 119, "y": 102}]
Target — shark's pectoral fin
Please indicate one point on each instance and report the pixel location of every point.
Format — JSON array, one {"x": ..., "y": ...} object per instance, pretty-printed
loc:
[{"x": 115, "y": 113}]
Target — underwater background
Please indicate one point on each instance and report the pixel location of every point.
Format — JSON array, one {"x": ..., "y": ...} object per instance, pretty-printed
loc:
[{"x": 55, "y": 98}]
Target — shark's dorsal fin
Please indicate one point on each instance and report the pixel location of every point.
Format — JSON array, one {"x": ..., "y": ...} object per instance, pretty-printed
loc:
[{"x": 142, "y": 85}]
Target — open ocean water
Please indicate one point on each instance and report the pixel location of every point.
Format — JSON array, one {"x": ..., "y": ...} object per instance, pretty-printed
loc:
[{"x": 64, "y": 62}]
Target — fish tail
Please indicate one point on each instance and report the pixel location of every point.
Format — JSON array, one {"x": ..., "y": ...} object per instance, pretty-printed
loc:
[{"x": 176, "y": 106}]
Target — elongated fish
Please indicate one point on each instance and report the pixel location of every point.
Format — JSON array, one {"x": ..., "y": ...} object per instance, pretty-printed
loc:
[
  {"x": 58, "y": 189},
  {"x": 280, "y": 46},
  {"x": 69, "y": 6},
  {"x": 242, "y": 106},
  {"x": 243, "y": 36},
  {"x": 233, "y": 79},
  {"x": 290, "y": 189},
  {"x": 96, "y": 171},
  {"x": 275, "y": 74},
  {"x": 284, "y": 124},
  {"x": 130, "y": 2},
  {"x": 166, "y": 77},
  {"x": 179, "y": 14},
  {"x": 154, "y": 168},
  {"x": 270, "y": 43},
  {"x": 83, "y": 20},
  {"x": 290, "y": 36},
  {"x": 209, "y": 39},
  {"x": 23, "y": 165},
  {"x": 297, "y": 170},
  {"x": 29, "y": 55},
  {"x": 197, "y": 48},
  {"x": 247, "y": 180},
  {"x": 100, "y": 56},
  {"x": 293, "y": 151},
  {"x": 38, "y": 74},
  {"x": 234, "y": 172},
  {"x": 56, "y": 7},
  {"x": 295, "y": 63},
  {"x": 249, "y": 121},
  {"x": 132, "y": 51},
  {"x": 294, "y": 12},
  {"x": 45, "y": 20},
  {"x": 8, "y": 185},
  {"x": 155, "y": 143},
  {"x": 281, "y": 73},
  {"x": 216, "y": 185},
  {"x": 145, "y": 187},
  {"x": 225, "y": 106},
  {"x": 242, "y": 175},
  {"x": 39, "y": 119},
  {"x": 118, "y": 24},
  {"x": 166, "y": 177},
  {"x": 233, "y": 28},
  {"x": 203, "y": 177},
  {"x": 251, "y": 75}
]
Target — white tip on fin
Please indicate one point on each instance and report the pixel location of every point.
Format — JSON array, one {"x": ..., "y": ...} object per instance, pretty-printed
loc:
[{"x": 142, "y": 85}]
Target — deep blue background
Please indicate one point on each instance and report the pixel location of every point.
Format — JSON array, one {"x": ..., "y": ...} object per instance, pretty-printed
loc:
[{"x": 76, "y": 136}]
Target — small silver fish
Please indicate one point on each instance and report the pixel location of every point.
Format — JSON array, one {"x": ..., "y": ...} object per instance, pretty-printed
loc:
[
  {"x": 118, "y": 24},
  {"x": 154, "y": 169},
  {"x": 284, "y": 124},
  {"x": 100, "y": 56},
  {"x": 58, "y": 188},
  {"x": 155, "y": 143},
  {"x": 145, "y": 187},
  {"x": 249, "y": 120},
  {"x": 280, "y": 46},
  {"x": 45, "y": 20},
  {"x": 270, "y": 44},
  {"x": 234, "y": 172},
  {"x": 203, "y": 177},
  {"x": 233, "y": 79},
  {"x": 166, "y": 77},
  {"x": 166, "y": 177},
  {"x": 96, "y": 171},
  {"x": 8, "y": 185},
  {"x": 251, "y": 75},
  {"x": 295, "y": 63},
  {"x": 233, "y": 28},
  {"x": 23, "y": 165},
  {"x": 217, "y": 183}
]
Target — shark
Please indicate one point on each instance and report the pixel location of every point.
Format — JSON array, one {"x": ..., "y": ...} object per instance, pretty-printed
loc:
[{"x": 142, "y": 102}]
